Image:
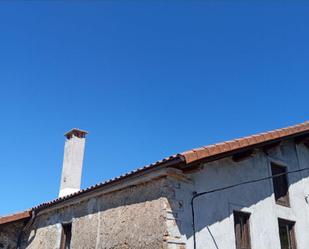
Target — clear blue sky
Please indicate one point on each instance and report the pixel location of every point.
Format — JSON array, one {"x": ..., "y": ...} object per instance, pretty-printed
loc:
[{"x": 147, "y": 79}]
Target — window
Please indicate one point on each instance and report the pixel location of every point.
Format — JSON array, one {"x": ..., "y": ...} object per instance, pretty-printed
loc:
[
  {"x": 242, "y": 231},
  {"x": 280, "y": 184},
  {"x": 66, "y": 236},
  {"x": 286, "y": 233}
]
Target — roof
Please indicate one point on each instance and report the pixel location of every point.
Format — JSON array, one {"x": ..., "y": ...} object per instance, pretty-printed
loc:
[
  {"x": 166, "y": 162},
  {"x": 188, "y": 158},
  {"x": 14, "y": 217},
  {"x": 244, "y": 143}
]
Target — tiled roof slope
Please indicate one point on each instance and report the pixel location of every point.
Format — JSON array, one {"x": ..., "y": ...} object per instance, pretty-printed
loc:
[
  {"x": 14, "y": 217},
  {"x": 25, "y": 214},
  {"x": 186, "y": 159},
  {"x": 172, "y": 160},
  {"x": 242, "y": 143}
]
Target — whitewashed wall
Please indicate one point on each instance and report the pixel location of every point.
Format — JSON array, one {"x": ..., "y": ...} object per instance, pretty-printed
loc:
[{"x": 214, "y": 212}]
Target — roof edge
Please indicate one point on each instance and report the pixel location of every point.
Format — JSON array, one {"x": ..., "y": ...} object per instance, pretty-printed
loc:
[
  {"x": 223, "y": 149},
  {"x": 167, "y": 162},
  {"x": 15, "y": 217}
]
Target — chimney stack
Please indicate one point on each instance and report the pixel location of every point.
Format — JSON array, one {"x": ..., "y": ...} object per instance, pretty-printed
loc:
[{"x": 72, "y": 161}]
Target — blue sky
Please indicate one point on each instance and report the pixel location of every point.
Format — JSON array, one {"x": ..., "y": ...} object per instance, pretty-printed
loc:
[{"x": 147, "y": 79}]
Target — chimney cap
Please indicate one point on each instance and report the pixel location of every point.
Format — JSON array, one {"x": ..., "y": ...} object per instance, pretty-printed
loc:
[{"x": 75, "y": 132}]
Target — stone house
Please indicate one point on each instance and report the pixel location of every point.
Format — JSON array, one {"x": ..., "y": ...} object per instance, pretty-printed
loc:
[{"x": 248, "y": 193}]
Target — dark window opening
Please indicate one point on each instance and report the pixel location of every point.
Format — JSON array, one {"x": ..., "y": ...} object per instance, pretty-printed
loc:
[
  {"x": 286, "y": 233},
  {"x": 66, "y": 235},
  {"x": 280, "y": 184},
  {"x": 242, "y": 231}
]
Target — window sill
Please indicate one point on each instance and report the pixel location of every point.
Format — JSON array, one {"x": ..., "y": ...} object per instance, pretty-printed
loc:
[{"x": 283, "y": 204}]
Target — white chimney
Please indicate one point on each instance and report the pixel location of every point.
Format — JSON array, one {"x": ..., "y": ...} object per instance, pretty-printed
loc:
[{"x": 72, "y": 161}]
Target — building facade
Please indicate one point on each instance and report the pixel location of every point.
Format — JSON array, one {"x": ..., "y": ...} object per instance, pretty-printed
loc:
[{"x": 248, "y": 193}]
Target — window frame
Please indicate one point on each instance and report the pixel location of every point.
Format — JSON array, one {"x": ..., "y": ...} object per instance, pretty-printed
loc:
[
  {"x": 239, "y": 242},
  {"x": 66, "y": 235},
  {"x": 290, "y": 225},
  {"x": 283, "y": 200}
]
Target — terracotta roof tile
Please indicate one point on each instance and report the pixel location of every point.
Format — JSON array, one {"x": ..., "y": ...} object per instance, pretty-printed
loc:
[
  {"x": 223, "y": 147},
  {"x": 14, "y": 217},
  {"x": 190, "y": 156},
  {"x": 266, "y": 135},
  {"x": 201, "y": 152},
  {"x": 244, "y": 142}
]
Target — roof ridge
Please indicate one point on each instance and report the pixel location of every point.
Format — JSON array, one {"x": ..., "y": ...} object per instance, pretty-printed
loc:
[{"x": 249, "y": 139}]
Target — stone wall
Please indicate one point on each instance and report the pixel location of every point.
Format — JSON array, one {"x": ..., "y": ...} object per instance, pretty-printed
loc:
[
  {"x": 9, "y": 235},
  {"x": 134, "y": 217}
]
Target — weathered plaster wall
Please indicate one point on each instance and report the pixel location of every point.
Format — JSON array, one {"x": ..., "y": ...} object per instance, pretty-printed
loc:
[
  {"x": 9, "y": 235},
  {"x": 214, "y": 212},
  {"x": 131, "y": 218}
]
